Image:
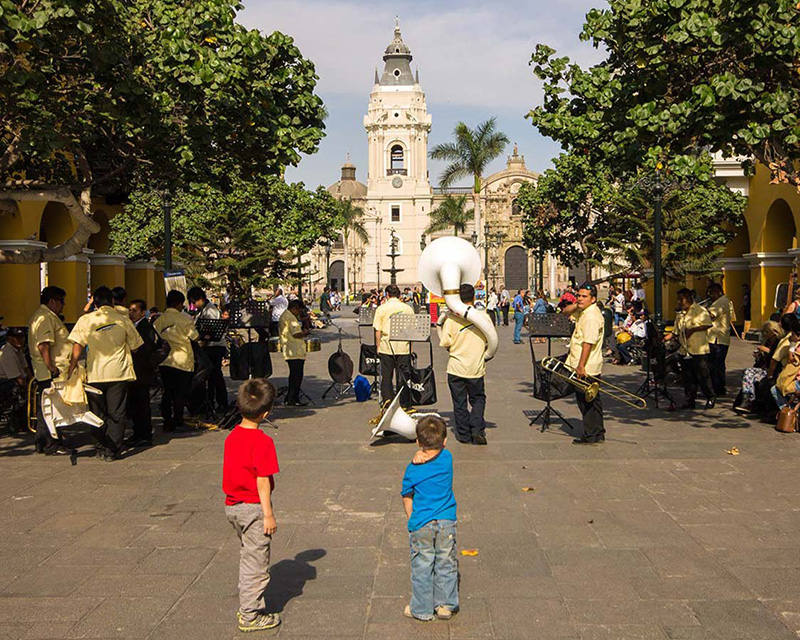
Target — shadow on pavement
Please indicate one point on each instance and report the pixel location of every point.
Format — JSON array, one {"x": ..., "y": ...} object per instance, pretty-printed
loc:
[{"x": 288, "y": 578}]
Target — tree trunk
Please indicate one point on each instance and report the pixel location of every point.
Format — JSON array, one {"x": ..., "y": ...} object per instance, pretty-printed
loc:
[
  {"x": 346, "y": 271},
  {"x": 80, "y": 212}
]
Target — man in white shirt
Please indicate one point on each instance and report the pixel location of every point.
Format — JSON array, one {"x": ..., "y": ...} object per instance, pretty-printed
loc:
[{"x": 278, "y": 304}]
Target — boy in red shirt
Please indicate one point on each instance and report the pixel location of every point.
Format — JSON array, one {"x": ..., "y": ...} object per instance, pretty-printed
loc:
[{"x": 249, "y": 464}]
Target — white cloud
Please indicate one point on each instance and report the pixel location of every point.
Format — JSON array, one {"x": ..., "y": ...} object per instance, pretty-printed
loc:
[{"x": 473, "y": 56}]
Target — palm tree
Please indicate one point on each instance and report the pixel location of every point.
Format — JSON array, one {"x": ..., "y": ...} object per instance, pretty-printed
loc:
[
  {"x": 450, "y": 213},
  {"x": 353, "y": 224},
  {"x": 469, "y": 155}
]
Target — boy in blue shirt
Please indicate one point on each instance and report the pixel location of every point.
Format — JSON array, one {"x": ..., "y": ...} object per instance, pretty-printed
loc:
[{"x": 431, "y": 509}]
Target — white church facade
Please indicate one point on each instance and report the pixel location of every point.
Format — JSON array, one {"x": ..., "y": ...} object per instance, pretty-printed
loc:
[{"x": 398, "y": 197}]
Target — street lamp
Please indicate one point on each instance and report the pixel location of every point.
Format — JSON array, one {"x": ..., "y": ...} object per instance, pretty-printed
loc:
[
  {"x": 422, "y": 243},
  {"x": 328, "y": 246},
  {"x": 474, "y": 238}
]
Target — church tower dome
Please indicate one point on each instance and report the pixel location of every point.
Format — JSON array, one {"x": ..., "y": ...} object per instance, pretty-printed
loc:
[{"x": 397, "y": 59}]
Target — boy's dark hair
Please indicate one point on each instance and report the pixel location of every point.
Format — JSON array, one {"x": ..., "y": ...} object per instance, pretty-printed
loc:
[
  {"x": 119, "y": 294},
  {"x": 175, "y": 298},
  {"x": 295, "y": 304},
  {"x": 392, "y": 290},
  {"x": 48, "y": 293},
  {"x": 786, "y": 322},
  {"x": 431, "y": 432},
  {"x": 255, "y": 398},
  {"x": 194, "y": 294},
  {"x": 466, "y": 292},
  {"x": 139, "y": 304},
  {"x": 795, "y": 324},
  {"x": 102, "y": 297}
]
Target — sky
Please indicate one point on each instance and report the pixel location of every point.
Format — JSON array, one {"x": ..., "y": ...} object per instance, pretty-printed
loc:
[{"x": 472, "y": 58}]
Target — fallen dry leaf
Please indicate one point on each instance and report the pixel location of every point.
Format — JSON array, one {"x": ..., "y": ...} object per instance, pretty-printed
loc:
[
  {"x": 529, "y": 488},
  {"x": 469, "y": 552},
  {"x": 733, "y": 451}
]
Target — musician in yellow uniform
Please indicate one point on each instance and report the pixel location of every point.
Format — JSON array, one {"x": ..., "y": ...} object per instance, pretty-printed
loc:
[
  {"x": 293, "y": 346},
  {"x": 49, "y": 349},
  {"x": 177, "y": 370},
  {"x": 110, "y": 339},
  {"x": 586, "y": 357},
  {"x": 691, "y": 326},
  {"x": 719, "y": 335},
  {"x": 466, "y": 369},
  {"x": 393, "y": 354}
]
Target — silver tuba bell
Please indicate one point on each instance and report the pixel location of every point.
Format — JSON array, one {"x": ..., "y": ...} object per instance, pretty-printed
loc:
[{"x": 446, "y": 264}]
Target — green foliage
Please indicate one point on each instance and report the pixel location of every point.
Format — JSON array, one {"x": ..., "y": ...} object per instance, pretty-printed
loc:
[
  {"x": 470, "y": 153},
  {"x": 353, "y": 221},
  {"x": 168, "y": 91},
  {"x": 452, "y": 214},
  {"x": 236, "y": 238},
  {"x": 579, "y": 212},
  {"x": 680, "y": 76}
]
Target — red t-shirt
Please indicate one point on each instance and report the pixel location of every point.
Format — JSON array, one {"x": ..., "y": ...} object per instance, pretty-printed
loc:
[{"x": 249, "y": 454}]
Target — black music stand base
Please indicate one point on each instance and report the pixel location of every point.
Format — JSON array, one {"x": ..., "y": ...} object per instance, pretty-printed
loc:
[
  {"x": 303, "y": 395},
  {"x": 651, "y": 386},
  {"x": 340, "y": 388},
  {"x": 545, "y": 416}
]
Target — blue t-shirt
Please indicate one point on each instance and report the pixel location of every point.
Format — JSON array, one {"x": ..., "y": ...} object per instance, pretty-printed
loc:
[
  {"x": 431, "y": 484},
  {"x": 517, "y": 304}
]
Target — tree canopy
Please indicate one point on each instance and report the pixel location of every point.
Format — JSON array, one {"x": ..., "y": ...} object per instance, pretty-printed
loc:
[
  {"x": 680, "y": 76},
  {"x": 99, "y": 95},
  {"x": 452, "y": 214},
  {"x": 235, "y": 238}
]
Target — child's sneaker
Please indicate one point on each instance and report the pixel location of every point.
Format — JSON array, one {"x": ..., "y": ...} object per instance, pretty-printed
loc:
[
  {"x": 443, "y": 613},
  {"x": 407, "y": 613},
  {"x": 261, "y": 622}
]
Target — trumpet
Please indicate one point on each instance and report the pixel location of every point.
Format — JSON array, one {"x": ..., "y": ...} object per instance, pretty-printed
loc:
[{"x": 591, "y": 386}]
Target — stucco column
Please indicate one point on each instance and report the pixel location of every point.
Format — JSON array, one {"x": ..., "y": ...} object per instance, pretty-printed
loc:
[
  {"x": 140, "y": 281},
  {"x": 21, "y": 285},
  {"x": 108, "y": 270},
  {"x": 73, "y": 276},
  {"x": 767, "y": 271}
]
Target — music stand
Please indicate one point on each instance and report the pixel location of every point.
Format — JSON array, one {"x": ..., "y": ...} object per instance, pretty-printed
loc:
[
  {"x": 407, "y": 327},
  {"x": 251, "y": 314},
  {"x": 366, "y": 316},
  {"x": 215, "y": 329},
  {"x": 655, "y": 382},
  {"x": 547, "y": 325}
]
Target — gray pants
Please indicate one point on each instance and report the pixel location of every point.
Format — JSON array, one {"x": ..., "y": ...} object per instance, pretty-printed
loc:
[{"x": 248, "y": 521}]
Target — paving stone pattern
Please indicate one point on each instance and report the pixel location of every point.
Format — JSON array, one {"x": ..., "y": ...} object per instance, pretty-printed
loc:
[{"x": 658, "y": 534}]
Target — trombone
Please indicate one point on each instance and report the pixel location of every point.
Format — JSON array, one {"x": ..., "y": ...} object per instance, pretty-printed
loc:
[{"x": 591, "y": 386}]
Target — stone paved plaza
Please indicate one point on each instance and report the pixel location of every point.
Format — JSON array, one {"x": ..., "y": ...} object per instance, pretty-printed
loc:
[{"x": 656, "y": 534}]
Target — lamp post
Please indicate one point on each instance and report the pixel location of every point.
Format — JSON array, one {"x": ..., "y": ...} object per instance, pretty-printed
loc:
[
  {"x": 328, "y": 262},
  {"x": 658, "y": 202},
  {"x": 167, "y": 233}
]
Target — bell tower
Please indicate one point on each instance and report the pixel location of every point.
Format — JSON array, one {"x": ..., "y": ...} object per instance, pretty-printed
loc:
[{"x": 398, "y": 188}]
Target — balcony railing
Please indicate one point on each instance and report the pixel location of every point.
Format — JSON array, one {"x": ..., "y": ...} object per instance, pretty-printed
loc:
[
  {"x": 446, "y": 190},
  {"x": 397, "y": 172}
]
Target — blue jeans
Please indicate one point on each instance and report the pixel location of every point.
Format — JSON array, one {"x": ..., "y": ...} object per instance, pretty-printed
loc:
[
  {"x": 780, "y": 399},
  {"x": 434, "y": 568},
  {"x": 519, "y": 318}
]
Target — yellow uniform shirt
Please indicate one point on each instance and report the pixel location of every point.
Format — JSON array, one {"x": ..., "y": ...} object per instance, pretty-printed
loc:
[
  {"x": 467, "y": 346},
  {"x": 721, "y": 311},
  {"x": 292, "y": 348},
  {"x": 46, "y": 326},
  {"x": 589, "y": 327},
  {"x": 178, "y": 330},
  {"x": 697, "y": 343},
  {"x": 123, "y": 310},
  {"x": 381, "y": 322},
  {"x": 784, "y": 348},
  {"x": 109, "y": 339}
]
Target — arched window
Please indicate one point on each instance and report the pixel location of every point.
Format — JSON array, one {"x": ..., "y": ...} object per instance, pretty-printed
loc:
[
  {"x": 515, "y": 207},
  {"x": 396, "y": 161}
]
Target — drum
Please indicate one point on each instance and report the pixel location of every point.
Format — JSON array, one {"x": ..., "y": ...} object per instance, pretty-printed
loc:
[
  {"x": 274, "y": 345},
  {"x": 623, "y": 337},
  {"x": 313, "y": 344}
]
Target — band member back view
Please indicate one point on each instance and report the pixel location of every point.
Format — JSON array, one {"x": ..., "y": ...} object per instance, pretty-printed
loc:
[{"x": 392, "y": 354}]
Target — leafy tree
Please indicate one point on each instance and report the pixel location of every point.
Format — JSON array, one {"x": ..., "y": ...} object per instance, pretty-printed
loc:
[
  {"x": 469, "y": 155},
  {"x": 99, "y": 95},
  {"x": 237, "y": 238},
  {"x": 680, "y": 76},
  {"x": 353, "y": 218},
  {"x": 450, "y": 214},
  {"x": 578, "y": 212}
]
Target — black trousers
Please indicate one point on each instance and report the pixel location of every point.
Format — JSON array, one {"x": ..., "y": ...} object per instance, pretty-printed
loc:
[
  {"x": 111, "y": 406},
  {"x": 139, "y": 411},
  {"x": 390, "y": 364},
  {"x": 505, "y": 314},
  {"x": 592, "y": 412},
  {"x": 716, "y": 366},
  {"x": 295, "y": 380},
  {"x": 696, "y": 374},
  {"x": 44, "y": 442},
  {"x": 176, "y": 388},
  {"x": 466, "y": 393},
  {"x": 216, "y": 381}
]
